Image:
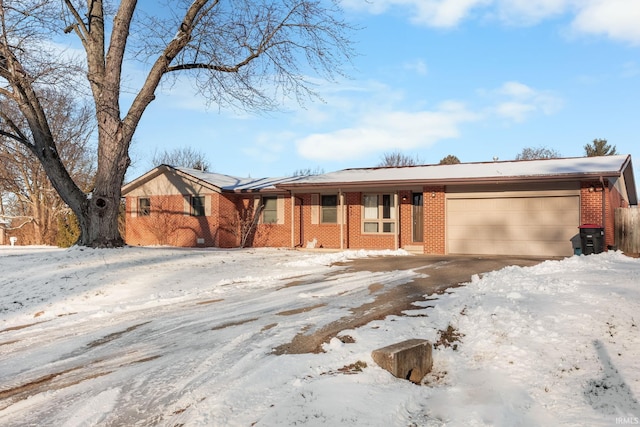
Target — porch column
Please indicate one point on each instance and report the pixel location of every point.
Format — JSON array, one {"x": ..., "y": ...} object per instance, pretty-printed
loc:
[
  {"x": 397, "y": 224},
  {"x": 293, "y": 220},
  {"x": 341, "y": 203}
]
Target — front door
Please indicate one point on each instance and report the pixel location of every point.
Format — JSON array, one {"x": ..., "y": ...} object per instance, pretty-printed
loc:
[{"x": 418, "y": 218}]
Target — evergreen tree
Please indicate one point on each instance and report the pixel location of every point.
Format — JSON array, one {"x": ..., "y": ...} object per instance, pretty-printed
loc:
[
  {"x": 450, "y": 160},
  {"x": 599, "y": 147}
]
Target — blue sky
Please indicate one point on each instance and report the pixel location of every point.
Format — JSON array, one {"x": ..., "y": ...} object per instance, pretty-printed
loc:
[{"x": 474, "y": 78}]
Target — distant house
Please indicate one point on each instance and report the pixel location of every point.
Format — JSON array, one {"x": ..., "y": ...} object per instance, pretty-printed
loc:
[
  {"x": 497, "y": 208},
  {"x": 3, "y": 226}
]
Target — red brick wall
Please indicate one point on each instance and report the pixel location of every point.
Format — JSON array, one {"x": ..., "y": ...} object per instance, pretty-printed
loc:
[
  {"x": 357, "y": 239},
  {"x": 591, "y": 203},
  {"x": 434, "y": 220},
  {"x": 276, "y": 235},
  {"x": 271, "y": 235},
  {"x": 591, "y": 197},
  {"x": 326, "y": 235},
  {"x": 167, "y": 224},
  {"x": 228, "y": 233}
]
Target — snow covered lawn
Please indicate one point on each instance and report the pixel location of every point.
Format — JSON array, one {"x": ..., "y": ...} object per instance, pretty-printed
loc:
[{"x": 165, "y": 336}]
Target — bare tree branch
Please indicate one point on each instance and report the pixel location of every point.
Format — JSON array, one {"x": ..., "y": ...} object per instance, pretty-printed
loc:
[{"x": 247, "y": 54}]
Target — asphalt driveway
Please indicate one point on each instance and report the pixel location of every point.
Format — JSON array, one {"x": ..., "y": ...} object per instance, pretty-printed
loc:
[{"x": 442, "y": 272}]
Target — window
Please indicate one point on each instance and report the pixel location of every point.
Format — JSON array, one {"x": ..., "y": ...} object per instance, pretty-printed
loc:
[
  {"x": 144, "y": 206},
  {"x": 329, "y": 212},
  {"x": 197, "y": 205},
  {"x": 379, "y": 214},
  {"x": 269, "y": 210}
]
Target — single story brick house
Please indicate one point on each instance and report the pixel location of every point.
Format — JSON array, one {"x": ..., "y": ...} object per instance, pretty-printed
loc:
[{"x": 532, "y": 207}]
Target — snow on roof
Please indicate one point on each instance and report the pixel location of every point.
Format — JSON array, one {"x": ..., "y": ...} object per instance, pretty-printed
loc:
[
  {"x": 579, "y": 166},
  {"x": 232, "y": 183}
]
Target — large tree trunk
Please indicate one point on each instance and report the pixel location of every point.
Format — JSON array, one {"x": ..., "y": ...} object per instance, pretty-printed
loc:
[
  {"x": 99, "y": 223},
  {"x": 216, "y": 52},
  {"x": 99, "y": 226}
]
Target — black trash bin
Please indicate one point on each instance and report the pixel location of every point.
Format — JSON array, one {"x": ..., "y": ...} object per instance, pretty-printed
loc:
[{"x": 591, "y": 239}]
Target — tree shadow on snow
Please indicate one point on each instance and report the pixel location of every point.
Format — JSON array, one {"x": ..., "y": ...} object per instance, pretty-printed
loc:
[{"x": 610, "y": 394}]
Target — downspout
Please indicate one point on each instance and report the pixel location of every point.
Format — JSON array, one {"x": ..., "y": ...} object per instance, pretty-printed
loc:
[
  {"x": 301, "y": 221},
  {"x": 293, "y": 217},
  {"x": 340, "y": 198}
]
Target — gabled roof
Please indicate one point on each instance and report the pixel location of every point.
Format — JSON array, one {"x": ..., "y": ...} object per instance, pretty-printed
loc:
[
  {"x": 214, "y": 181},
  {"x": 577, "y": 168},
  {"x": 235, "y": 184}
]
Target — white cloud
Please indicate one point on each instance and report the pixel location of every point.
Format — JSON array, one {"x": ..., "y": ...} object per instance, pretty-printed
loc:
[
  {"x": 617, "y": 19},
  {"x": 630, "y": 69},
  {"x": 445, "y": 13},
  {"x": 268, "y": 147},
  {"x": 517, "y": 101},
  {"x": 371, "y": 126},
  {"x": 434, "y": 13},
  {"x": 516, "y": 89},
  {"x": 516, "y": 111},
  {"x": 385, "y": 131},
  {"x": 418, "y": 66},
  {"x": 529, "y": 12}
]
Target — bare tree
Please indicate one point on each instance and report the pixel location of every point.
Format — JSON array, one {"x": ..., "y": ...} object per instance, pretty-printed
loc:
[
  {"x": 243, "y": 223},
  {"x": 186, "y": 157},
  {"x": 397, "y": 158},
  {"x": 308, "y": 171},
  {"x": 33, "y": 199},
  {"x": 599, "y": 147},
  {"x": 449, "y": 160},
  {"x": 538, "y": 153},
  {"x": 246, "y": 53}
]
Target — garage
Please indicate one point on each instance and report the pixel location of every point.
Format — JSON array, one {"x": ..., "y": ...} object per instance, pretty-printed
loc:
[{"x": 512, "y": 222}]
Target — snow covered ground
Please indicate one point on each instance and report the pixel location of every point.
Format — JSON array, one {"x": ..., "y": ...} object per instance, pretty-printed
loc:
[{"x": 165, "y": 336}]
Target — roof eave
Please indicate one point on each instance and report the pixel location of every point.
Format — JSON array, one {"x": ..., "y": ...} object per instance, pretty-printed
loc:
[
  {"x": 449, "y": 181},
  {"x": 627, "y": 172},
  {"x": 254, "y": 191},
  {"x": 202, "y": 182},
  {"x": 159, "y": 170},
  {"x": 143, "y": 179}
]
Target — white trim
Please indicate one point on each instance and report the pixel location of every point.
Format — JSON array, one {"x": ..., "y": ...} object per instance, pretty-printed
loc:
[
  {"x": 280, "y": 210},
  {"x": 315, "y": 208}
]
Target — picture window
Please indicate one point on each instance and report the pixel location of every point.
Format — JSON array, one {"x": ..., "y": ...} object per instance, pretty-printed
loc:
[{"x": 379, "y": 214}]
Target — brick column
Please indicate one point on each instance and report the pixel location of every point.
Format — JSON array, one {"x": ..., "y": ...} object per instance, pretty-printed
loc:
[{"x": 434, "y": 220}]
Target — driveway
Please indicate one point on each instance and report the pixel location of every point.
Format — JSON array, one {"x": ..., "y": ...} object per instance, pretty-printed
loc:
[
  {"x": 174, "y": 336},
  {"x": 441, "y": 273}
]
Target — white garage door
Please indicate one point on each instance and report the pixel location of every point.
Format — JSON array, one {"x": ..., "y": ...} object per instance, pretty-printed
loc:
[{"x": 512, "y": 225}]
